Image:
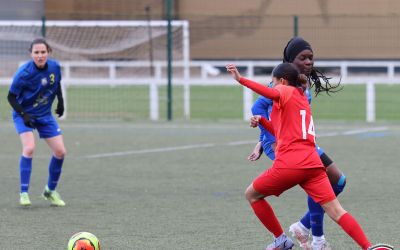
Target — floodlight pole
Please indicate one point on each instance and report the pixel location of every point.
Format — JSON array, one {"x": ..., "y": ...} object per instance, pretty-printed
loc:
[
  {"x": 169, "y": 59},
  {"x": 296, "y": 25},
  {"x": 43, "y": 26}
]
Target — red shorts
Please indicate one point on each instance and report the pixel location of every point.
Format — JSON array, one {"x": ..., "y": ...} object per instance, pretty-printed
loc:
[{"x": 314, "y": 181}]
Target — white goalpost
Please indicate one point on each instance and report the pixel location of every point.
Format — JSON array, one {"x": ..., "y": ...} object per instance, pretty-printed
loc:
[{"x": 113, "y": 54}]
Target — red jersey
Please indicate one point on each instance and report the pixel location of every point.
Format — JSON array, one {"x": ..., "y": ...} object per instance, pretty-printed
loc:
[{"x": 293, "y": 125}]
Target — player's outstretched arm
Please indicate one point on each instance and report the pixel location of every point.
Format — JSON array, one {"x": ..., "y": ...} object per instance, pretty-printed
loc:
[
  {"x": 231, "y": 68},
  {"x": 255, "y": 86}
]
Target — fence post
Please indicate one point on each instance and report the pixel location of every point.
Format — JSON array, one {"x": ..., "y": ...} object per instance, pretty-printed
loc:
[
  {"x": 153, "y": 94},
  {"x": 370, "y": 101},
  {"x": 248, "y": 94},
  {"x": 153, "y": 101},
  {"x": 186, "y": 71}
]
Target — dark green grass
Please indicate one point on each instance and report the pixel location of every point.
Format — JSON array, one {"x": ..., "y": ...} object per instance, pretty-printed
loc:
[{"x": 186, "y": 199}]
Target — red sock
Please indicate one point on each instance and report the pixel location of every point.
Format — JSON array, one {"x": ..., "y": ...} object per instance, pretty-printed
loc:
[
  {"x": 267, "y": 216},
  {"x": 352, "y": 228}
]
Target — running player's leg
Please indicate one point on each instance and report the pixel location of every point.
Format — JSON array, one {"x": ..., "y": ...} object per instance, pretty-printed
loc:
[
  {"x": 263, "y": 211},
  {"x": 319, "y": 188},
  {"x": 338, "y": 181},
  {"x": 273, "y": 181},
  {"x": 347, "y": 222},
  {"x": 313, "y": 219}
]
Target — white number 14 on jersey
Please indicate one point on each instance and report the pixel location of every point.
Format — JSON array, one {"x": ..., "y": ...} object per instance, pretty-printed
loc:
[{"x": 310, "y": 129}]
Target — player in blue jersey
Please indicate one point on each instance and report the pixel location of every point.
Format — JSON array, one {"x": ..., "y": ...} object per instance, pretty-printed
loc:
[
  {"x": 299, "y": 52},
  {"x": 31, "y": 95}
]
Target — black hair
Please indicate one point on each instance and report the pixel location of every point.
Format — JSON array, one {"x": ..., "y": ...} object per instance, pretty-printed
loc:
[
  {"x": 292, "y": 49},
  {"x": 40, "y": 41},
  {"x": 289, "y": 72}
]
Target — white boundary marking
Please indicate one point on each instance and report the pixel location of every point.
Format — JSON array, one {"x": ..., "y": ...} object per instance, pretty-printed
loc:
[
  {"x": 234, "y": 143},
  {"x": 154, "y": 150}
]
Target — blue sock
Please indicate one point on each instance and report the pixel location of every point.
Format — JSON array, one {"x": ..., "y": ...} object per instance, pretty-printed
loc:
[
  {"x": 339, "y": 186},
  {"x": 306, "y": 220},
  {"x": 54, "y": 172},
  {"x": 25, "y": 169},
  {"x": 316, "y": 217}
]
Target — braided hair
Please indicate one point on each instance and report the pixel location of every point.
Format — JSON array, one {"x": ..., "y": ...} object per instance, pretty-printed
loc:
[{"x": 292, "y": 49}]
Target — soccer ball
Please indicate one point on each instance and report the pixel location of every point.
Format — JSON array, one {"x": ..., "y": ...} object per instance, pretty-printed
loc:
[{"x": 83, "y": 241}]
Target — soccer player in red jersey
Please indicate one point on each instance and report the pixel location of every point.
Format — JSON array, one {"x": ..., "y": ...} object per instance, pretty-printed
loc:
[
  {"x": 299, "y": 52},
  {"x": 296, "y": 160}
]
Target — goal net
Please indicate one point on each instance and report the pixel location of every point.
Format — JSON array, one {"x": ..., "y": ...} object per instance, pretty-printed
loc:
[{"x": 107, "y": 66}]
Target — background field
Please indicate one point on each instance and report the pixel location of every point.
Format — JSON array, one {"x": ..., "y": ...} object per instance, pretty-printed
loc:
[
  {"x": 180, "y": 186},
  {"x": 210, "y": 103}
]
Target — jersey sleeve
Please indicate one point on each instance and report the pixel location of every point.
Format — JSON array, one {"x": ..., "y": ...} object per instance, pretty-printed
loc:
[
  {"x": 59, "y": 73},
  {"x": 285, "y": 94},
  {"x": 16, "y": 85},
  {"x": 267, "y": 125},
  {"x": 260, "y": 89}
]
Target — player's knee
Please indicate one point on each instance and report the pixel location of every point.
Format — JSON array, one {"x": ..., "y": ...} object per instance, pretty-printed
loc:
[
  {"x": 334, "y": 210},
  {"x": 249, "y": 194},
  {"x": 252, "y": 195},
  {"x": 28, "y": 150},
  {"x": 60, "y": 153}
]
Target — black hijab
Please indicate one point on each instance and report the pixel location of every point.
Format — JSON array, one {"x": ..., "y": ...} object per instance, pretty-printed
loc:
[{"x": 294, "y": 47}]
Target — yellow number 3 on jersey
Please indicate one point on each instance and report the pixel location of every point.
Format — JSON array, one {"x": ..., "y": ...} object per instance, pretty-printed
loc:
[{"x": 52, "y": 79}]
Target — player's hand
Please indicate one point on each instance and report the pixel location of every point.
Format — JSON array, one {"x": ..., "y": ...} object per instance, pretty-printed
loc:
[
  {"x": 255, "y": 120},
  {"x": 231, "y": 68},
  {"x": 257, "y": 152},
  {"x": 60, "y": 109},
  {"x": 27, "y": 120}
]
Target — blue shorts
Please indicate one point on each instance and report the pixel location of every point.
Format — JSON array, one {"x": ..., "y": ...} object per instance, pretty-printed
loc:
[{"x": 46, "y": 126}]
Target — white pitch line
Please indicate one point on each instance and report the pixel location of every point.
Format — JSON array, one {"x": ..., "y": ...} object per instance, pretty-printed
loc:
[
  {"x": 154, "y": 150},
  {"x": 234, "y": 143},
  {"x": 349, "y": 132},
  {"x": 237, "y": 143},
  {"x": 365, "y": 130}
]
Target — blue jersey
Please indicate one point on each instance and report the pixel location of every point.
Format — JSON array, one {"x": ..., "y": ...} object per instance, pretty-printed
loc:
[
  {"x": 263, "y": 106},
  {"x": 36, "y": 88}
]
